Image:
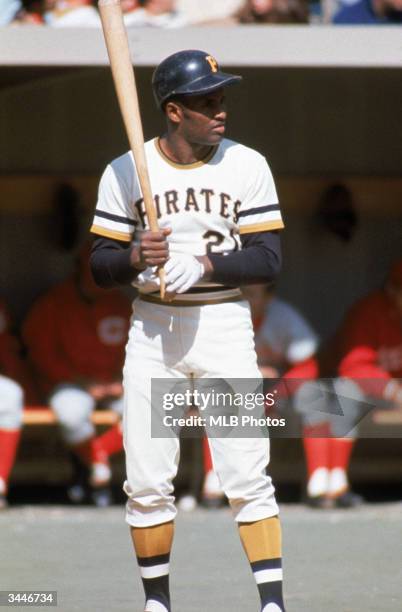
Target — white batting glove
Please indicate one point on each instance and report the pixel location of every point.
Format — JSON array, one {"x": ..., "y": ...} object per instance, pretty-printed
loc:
[
  {"x": 147, "y": 281},
  {"x": 182, "y": 272}
]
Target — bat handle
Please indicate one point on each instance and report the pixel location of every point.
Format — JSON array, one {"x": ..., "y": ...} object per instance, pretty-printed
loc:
[
  {"x": 153, "y": 223},
  {"x": 161, "y": 273}
]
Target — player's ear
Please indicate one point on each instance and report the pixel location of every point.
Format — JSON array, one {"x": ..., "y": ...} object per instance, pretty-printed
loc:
[{"x": 174, "y": 111}]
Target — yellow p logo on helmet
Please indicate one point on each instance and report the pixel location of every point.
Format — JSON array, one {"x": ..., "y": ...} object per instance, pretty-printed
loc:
[{"x": 212, "y": 62}]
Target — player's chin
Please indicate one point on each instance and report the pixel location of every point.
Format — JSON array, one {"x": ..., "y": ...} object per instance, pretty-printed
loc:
[{"x": 215, "y": 137}]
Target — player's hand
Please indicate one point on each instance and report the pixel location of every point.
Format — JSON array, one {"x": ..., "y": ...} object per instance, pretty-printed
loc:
[
  {"x": 268, "y": 372},
  {"x": 153, "y": 250},
  {"x": 147, "y": 281},
  {"x": 100, "y": 391},
  {"x": 114, "y": 389},
  {"x": 182, "y": 272},
  {"x": 97, "y": 391}
]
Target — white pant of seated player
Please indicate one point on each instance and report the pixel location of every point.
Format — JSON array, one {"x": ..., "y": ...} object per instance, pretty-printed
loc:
[{"x": 73, "y": 407}]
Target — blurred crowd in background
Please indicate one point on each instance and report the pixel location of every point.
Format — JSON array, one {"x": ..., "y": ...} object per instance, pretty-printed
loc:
[{"x": 181, "y": 13}]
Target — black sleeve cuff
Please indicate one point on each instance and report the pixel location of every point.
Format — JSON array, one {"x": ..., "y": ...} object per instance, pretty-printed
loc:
[
  {"x": 110, "y": 263},
  {"x": 258, "y": 262}
]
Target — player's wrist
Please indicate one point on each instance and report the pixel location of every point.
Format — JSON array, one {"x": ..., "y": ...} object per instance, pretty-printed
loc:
[
  {"x": 207, "y": 266},
  {"x": 136, "y": 261}
]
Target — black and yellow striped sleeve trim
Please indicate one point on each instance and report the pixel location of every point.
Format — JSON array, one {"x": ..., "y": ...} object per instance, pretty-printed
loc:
[
  {"x": 258, "y": 210},
  {"x": 112, "y": 217},
  {"x": 102, "y": 231},
  {"x": 266, "y": 226}
]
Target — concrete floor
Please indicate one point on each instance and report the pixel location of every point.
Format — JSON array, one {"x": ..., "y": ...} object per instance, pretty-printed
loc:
[{"x": 335, "y": 561}]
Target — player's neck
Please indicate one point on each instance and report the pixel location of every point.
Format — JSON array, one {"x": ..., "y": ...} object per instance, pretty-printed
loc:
[{"x": 182, "y": 152}]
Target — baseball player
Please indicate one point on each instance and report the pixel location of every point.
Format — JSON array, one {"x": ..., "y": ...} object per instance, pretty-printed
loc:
[
  {"x": 370, "y": 342},
  {"x": 13, "y": 375},
  {"x": 219, "y": 219},
  {"x": 75, "y": 335},
  {"x": 366, "y": 357},
  {"x": 284, "y": 341},
  {"x": 287, "y": 346}
]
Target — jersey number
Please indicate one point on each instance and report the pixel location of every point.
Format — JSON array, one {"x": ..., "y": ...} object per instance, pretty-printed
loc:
[{"x": 215, "y": 239}]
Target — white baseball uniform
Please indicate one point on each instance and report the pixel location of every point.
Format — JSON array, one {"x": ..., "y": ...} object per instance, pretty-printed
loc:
[
  {"x": 206, "y": 332},
  {"x": 290, "y": 337}
]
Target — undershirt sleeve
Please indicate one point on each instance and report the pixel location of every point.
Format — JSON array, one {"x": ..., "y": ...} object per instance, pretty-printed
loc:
[
  {"x": 259, "y": 261},
  {"x": 110, "y": 262}
]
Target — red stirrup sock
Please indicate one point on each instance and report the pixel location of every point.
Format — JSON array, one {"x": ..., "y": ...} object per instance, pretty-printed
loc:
[
  {"x": 316, "y": 442},
  {"x": 9, "y": 439},
  {"x": 107, "y": 444}
]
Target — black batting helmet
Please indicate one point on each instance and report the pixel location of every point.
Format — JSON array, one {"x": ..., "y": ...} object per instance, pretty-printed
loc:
[{"x": 188, "y": 73}]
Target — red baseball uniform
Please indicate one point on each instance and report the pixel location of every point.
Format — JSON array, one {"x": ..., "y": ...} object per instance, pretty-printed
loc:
[
  {"x": 71, "y": 338},
  {"x": 12, "y": 367},
  {"x": 9, "y": 350},
  {"x": 370, "y": 343},
  {"x": 11, "y": 363}
]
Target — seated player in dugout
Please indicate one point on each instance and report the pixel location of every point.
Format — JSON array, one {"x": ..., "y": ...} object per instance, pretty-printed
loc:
[
  {"x": 288, "y": 347},
  {"x": 284, "y": 342},
  {"x": 75, "y": 335},
  {"x": 364, "y": 361},
  {"x": 370, "y": 344},
  {"x": 219, "y": 219},
  {"x": 15, "y": 386}
]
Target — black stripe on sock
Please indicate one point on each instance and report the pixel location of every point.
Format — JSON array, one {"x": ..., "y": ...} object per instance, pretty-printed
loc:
[
  {"x": 266, "y": 564},
  {"x": 156, "y": 560}
]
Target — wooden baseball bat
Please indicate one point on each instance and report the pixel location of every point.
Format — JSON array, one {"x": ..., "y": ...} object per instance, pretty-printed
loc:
[{"x": 116, "y": 40}]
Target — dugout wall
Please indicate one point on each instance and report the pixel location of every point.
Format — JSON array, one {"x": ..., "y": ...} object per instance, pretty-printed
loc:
[{"x": 323, "y": 104}]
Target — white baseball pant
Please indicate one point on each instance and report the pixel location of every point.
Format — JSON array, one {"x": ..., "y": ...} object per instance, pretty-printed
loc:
[{"x": 209, "y": 341}]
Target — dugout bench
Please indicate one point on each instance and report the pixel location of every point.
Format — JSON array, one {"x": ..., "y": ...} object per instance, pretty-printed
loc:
[{"x": 43, "y": 457}]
